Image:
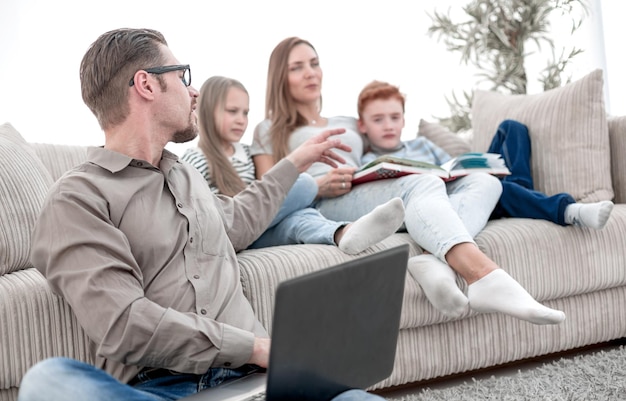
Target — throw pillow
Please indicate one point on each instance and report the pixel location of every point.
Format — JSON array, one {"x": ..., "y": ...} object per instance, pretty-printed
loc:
[
  {"x": 24, "y": 183},
  {"x": 617, "y": 138},
  {"x": 441, "y": 136},
  {"x": 569, "y": 133}
]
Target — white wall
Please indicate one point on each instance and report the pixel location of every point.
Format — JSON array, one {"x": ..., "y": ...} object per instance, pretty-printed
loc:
[{"x": 42, "y": 43}]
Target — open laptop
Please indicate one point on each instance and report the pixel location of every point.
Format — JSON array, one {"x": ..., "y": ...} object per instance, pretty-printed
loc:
[{"x": 333, "y": 330}]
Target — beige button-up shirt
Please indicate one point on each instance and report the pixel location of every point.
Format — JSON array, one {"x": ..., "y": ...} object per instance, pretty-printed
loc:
[{"x": 146, "y": 258}]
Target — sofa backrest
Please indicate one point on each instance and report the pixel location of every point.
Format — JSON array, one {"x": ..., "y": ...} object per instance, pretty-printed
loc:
[
  {"x": 26, "y": 173},
  {"x": 24, "y": 183},
  {"x": 59, "y": 158}
]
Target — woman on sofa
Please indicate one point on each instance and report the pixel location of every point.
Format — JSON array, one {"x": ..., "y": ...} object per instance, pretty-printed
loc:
[{"x": 292, "y": 111}]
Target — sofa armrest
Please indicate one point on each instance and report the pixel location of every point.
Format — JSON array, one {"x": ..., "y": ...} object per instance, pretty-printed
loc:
[
  {"x": 617, "y": 138},
  {"x": 35, "y": 324}
]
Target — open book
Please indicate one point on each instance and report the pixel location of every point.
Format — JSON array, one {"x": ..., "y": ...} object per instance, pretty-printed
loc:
[{"x": 392, "y": 167}]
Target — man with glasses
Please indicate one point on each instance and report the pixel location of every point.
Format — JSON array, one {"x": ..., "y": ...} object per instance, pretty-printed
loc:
[
  {"x": 147, "y": 258},
  {"x": 186, "y": 77}
]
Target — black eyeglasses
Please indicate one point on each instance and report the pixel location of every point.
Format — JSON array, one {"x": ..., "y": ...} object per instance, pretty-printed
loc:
[{"x": 186, "y": 78}]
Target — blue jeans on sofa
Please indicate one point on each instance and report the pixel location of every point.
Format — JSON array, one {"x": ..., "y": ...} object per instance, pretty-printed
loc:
[{"x": 519, "y": 199}]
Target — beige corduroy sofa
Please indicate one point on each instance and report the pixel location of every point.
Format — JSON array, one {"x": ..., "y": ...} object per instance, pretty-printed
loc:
[{"x": 580, "y": 271}]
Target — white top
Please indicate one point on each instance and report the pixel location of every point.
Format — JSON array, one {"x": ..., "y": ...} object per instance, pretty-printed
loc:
[{"x": 262, "y": 144}]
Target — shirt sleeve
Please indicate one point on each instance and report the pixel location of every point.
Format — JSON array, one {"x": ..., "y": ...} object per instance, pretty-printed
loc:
[
  {"x": 261, "y": 142},
  {"x": 249, "y": 213},
  {"x": 441, "y": 155},
  {"x": 422, "y": 149}
]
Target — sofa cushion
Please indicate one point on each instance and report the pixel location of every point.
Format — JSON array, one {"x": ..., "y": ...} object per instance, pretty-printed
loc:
[
  {"x": 569, "y": 133},
  {"x": 617, "y": 138},
  {"x": 441, "y": 136},
  {"x": 24, "y": 183}
]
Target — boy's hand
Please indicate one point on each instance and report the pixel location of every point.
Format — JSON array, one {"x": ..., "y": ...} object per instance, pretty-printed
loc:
[{"x": 319, "y": 149}]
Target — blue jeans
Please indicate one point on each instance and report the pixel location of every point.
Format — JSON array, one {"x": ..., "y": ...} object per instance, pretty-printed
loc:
[
  {"x": 437, "y": 215},
  {"x": 296, "y": 222},
  {"x": 63, "y": 379},
  {"x": 519, "y": 199}
]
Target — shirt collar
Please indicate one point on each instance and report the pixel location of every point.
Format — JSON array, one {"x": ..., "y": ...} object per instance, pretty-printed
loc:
[
  {"x": 381, "y": 151},
  {"x": 115, "y": 162}
]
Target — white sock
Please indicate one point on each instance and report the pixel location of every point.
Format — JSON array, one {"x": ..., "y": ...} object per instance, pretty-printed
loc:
[
  {"x": 499, "y": 292},
  {"x": 374, "y": 227},
  {"x": 438, "y": 281},
  {"x": 593, "y": 215}
]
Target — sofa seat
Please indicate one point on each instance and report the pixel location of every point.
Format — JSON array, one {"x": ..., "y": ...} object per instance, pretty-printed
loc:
[{"x": 573, "y": 269}]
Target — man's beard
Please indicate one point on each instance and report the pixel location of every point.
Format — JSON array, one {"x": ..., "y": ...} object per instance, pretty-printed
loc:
[{"x": 186, "y": 134}]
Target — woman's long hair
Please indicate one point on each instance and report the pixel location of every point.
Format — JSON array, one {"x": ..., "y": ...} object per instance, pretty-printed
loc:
[
  {"x": 211, "y": 107},
  {"x": 280, "y": 107}
]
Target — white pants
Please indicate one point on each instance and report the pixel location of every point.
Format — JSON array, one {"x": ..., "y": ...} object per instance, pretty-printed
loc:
[{"x": 439, "y": 215}]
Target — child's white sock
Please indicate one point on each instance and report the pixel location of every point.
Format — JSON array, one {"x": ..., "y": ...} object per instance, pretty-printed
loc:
[
  {"x": 438, "y": 281},
  {"x": 499, "y": 292},
  {"x": 593, "y": 215},
  {"x": 374, "y": 227}
]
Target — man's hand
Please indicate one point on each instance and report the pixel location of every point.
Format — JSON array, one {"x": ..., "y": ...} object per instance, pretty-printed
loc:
[
  {"x": 319, "y": 149},
  {"x": 260, "y": 352}
]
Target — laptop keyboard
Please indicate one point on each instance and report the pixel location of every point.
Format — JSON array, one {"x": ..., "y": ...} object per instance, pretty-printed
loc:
[{"x": 257, "y": 397}]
